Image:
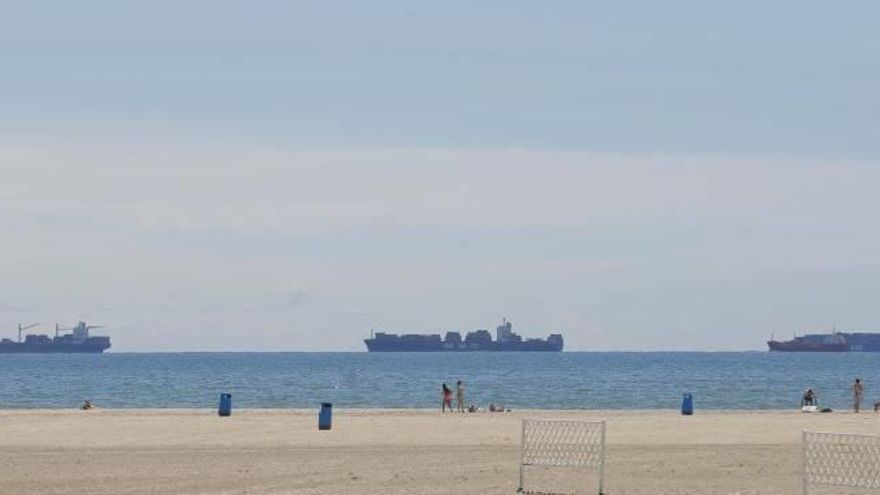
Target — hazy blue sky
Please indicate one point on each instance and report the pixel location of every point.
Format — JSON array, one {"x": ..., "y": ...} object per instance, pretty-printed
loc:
[{"x": 288, "y": 175}]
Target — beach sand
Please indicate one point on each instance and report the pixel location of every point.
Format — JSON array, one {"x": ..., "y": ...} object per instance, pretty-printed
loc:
[{"x": 396, "y": 451}]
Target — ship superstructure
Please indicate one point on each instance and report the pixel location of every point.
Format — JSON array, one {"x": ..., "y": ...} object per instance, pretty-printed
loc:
[
  {"x": 77, "y": 340},
  {"x": 477, "y": 340}
]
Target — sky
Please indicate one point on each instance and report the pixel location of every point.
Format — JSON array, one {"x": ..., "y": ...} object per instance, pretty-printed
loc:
[{"x": 217, "y": 176}]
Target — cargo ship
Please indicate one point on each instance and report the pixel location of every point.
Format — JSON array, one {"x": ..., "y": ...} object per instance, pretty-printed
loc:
[
  {"x": 478, "y": 340},
  {"x": 78, "y": 340},
  {"x": 829, "y": 342}
]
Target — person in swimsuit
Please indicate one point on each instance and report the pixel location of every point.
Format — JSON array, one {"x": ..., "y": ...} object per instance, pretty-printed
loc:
[
  {"x": 459, "y": 395},
  {"x": 858, "y": 390},
  {"x": 447, "y": 398}
]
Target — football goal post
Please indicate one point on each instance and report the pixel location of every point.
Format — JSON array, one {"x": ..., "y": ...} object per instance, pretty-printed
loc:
[
  {"x": 842, "y": 460},
  {"x": 564, "y": 444}
]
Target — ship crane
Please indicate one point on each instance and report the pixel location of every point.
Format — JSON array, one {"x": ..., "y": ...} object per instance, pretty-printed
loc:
[
  {"x": 22, "y": 328},
  {"x": 59, "y": 329}
]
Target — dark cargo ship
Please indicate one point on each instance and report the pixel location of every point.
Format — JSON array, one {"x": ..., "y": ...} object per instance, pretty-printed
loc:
[
  {"x": 829, "y": 342},
  {"x": 78, "y": 340},
  {"x": 479, "y": 340}
]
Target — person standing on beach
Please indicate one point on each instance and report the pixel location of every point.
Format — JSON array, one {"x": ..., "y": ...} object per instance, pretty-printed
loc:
[
  {"x": 447, "y": 398},
  {"x": 858, "y": 390},
  {"x": 459, "y": 395}
]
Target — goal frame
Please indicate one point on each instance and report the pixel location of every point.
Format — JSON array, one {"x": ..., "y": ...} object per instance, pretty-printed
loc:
[
  {"x": 556, "y": 452},
  {"x": 841, "y": 460}
]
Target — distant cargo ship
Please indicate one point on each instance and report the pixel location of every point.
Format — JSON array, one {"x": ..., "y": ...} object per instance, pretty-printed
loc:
[
  {"x": 479, "y": 340},
  {"x": 78, "y": 340},
  {"x": 829, "y": 342}
]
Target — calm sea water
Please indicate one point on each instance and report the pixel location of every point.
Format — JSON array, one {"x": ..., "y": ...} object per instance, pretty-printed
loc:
[{"x": 569, "y": 380}]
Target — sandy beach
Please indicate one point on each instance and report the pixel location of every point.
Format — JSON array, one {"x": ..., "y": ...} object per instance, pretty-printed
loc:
[{"x": 394, "y": 451}]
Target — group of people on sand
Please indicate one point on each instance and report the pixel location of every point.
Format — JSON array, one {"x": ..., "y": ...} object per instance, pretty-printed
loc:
[
  {"x": 459, "y": 394},
  {"x": 446, "y": 393},
  {"x": 857, "y": 388}
]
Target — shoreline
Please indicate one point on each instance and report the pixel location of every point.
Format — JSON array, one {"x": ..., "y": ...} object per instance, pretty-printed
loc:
[
  {"x": 420, "y": 410},
  {"x": 337, "y": 410}
]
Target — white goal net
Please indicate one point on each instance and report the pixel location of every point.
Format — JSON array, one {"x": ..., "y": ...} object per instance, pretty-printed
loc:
[
  {"x": 562, "y": 443},
  {"x": 841, "y": 460}
]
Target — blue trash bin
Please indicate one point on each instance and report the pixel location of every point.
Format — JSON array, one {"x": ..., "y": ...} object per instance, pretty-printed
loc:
[
  {"x": 687, "y": 404},
  {"x": 325, "y": 417},
  {"x": 225, "y": 405}
]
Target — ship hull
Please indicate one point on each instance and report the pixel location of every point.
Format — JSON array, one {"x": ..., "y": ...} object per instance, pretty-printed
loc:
[
  {"x": 51, "y": 351},
  {"x": 796, "y": 347},
  {"x": 52, "y": 348},
  {"x": 373, "y": 346}
]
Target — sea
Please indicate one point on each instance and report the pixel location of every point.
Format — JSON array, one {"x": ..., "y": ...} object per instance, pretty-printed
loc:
[{"x": 567, "y": 380}]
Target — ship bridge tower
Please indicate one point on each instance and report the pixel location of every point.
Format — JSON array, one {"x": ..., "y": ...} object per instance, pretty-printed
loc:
[
  {"x": 504, "y": 331},
  {"x": 80, "y": 331}
]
